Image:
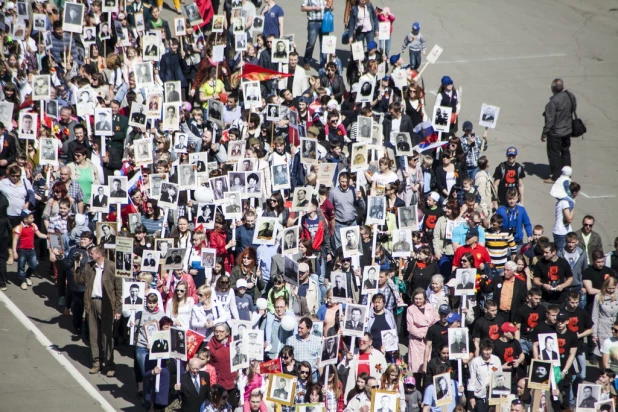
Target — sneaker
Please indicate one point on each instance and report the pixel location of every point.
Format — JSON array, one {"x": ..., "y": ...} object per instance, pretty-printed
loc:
[
  {"x": 28, "y": 282},
  {"x": 2, "y": 286},
  {"x": 549, "y": 181},
  {"x": 24, "y": 285},
  {"x": 61, "y": 301},
  {"x": 96, "y": 368}
]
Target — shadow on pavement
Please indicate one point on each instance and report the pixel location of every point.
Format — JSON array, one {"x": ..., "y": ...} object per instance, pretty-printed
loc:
[{"x": 536, "y": 169}]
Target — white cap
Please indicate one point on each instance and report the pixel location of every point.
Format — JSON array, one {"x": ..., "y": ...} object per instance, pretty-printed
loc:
[
  {"x": 241, "y": 283},
  {"x": 303, "y": 267},
  {"x": 567, "y": 171},
  {"x": 435, "y": 196},
  {"x": 10, "y": 5},
  {"x": 332, "y": 104}
]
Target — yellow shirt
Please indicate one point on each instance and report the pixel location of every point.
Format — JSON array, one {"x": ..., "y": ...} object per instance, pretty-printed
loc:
[
  {"x": 506, "y": 297},
  {"x": 210, "y": 90}
]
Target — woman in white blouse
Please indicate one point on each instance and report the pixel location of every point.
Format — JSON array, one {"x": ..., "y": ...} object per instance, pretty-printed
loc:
[
  {"x": 206, "y": 314},
  {"x": 180, "y": 306}
]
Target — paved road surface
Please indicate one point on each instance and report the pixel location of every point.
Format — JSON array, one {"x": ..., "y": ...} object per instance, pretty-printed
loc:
[{"x": 501, "y": 53}]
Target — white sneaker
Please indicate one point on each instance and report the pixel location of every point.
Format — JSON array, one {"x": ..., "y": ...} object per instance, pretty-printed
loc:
[
  {"x": 28, "y": 281},
  {"x": 24, "y": 286}
]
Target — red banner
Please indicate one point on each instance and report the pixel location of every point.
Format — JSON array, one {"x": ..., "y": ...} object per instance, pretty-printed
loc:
[
  {"x": 271, "y": 366},
  {"x": 194, "y": 340},
  {"x": 254, "y": 72}
]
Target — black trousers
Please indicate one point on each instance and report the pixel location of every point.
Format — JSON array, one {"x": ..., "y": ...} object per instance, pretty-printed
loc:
[
  {"x": 558, "y": 154},
  {"x": 77, "y": 309}
]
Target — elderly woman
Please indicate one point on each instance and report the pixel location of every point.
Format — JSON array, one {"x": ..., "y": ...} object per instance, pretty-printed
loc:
[
  {"x": 437, "y": 292},
  {"x": 604, "y": 311},
  {"x": 420, "y": 317},
  {"x": 220, "y": 357}
]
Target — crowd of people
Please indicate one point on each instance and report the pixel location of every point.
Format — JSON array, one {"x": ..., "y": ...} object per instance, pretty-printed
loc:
[{"x": 331, "y": 242}]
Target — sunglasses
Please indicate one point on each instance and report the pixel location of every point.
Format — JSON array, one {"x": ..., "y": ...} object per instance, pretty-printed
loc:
[
  {"x": 614, "y": 330},
  {"x": 181, "y": 290},
  {"x": 587, "y": 225},
  {"x": 464, "y": 260},
  {"x": 304, "y": 372}
]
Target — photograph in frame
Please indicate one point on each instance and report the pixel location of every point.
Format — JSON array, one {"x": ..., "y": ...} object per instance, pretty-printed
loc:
[
  {"x": 376, "y": 210},
  {"x": 588, "y": 395},
  {"x": 281, "y": 389},
  {"x": 178, "y": 344},
  {"x": 465, "y": 281},
  {"x": 384, "y": 401},
  {"x": 289, "y": 243},
  {"x": 133, "y": 294},
  {"x": 441, "y": 119},
  {"x": 370, "y": 279},
  {"x": 350, "y": 241},
  {"x": 489, "y": 116},
  {"x": 265, "y": 231},
  {"x": 150, "y": 261},
  {"x": 355, "y": 318},
  {"x": 458, "y": 343},
  {"x": 402, "y": 242},
  {"x": 538, "y": 375},
  {"x": 443, "y": 389},
  {"x": 408, "y": 217},
  {"x": 99, "y": 199},
  {"x": 160, "y": 346}
]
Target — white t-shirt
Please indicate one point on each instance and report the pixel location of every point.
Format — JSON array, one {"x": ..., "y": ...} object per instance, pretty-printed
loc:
[
  {"x": 559, "y": 227},
  {"x": 610, "y": 346}
]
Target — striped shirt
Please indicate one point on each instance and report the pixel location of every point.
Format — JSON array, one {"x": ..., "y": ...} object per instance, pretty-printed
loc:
[
  {"x": 309, "y": 349},
  {"x": 500, "y": 246},
  {"x": 317, "y": 14},
  {"x": 58, "y": 224}
]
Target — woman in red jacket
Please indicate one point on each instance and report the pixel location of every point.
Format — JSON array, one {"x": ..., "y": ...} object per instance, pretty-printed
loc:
[
  {"x": 219, "y": 347},
  {"x": 218, "y": 240}
]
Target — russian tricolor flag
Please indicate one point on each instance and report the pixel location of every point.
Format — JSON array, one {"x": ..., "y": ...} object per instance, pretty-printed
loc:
[{"x": 427, "y": 133}]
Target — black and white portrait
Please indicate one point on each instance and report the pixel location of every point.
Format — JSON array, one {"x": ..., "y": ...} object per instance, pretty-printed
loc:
[
  {"x": 169, "y": 195},
  {"x": 137, "y": 118},
  {"x": 41, "y": 87},
  {"x": 290, "y": 241},
  {"x": 110, "y": 6},
  {"x": 402, "y": 242},
  {"x": 172, "y": 92},
  {"x": 252, "y": 95},
  {"x": 376, "y": 209},
  {"x": 489, "y": 116},
  {"x": 219, "y": 186},
  {"x": 587, "y": 396},
  {"x": 39, "y": 22},
  {"x": 160, "y": 344},
  {"x": 209, "y": 257},
  {"x": 465, "y": 281},
  {"x": 350, "y": 241},
  {"x": 215, "y": 111},
  {"x": 301, "y": 199},
  {"x": 500, "y": 384},
  {"x": 458, "y": 343},
  {"x": 103, "y": 121},
  {"x": 174, "y": 259},
  {"x": 163, "y": 246},
  {"x": 133, "y": 294},
  {"x": 364, "y": 128},
  {"x": 355, "y": 317},
  {"x": 99, "y": 199},
  {"x": 408, "y": 217},
  {"x": 171, "y": 118},
  {"x": 384, "y": 401},
  {"x": 258, "y": 24},
  {"x": 281, "y": 177},
  {"x": 151, "y": 51},
  {"x": 236, "y": 149},
  {"x": 253, "y": 340},
  {"x": 105, "y": 32},
  {"x": 186, "y": 177},
  {"x": 272, "y": 112},
  {"x": 254, "y": 184},
  {"x": 240, "y": 41},
  {"x": 143, "y": 151},
  {"x": 548, "y": 348},
  {"x": 403, "y": 143},
  {"x": 538, "y": 377},
  {"x": 309, "y": 151},
  {"x": 390, "y": 340},
  {"x": 442, "y": 118},
  {"x": 290, "y": 270},
  {"x": 339, "y": 287},
  {"x": 370, "y": 279},
  {"x": 178, "y": 348},
  {"x": 218, "y": 23},
  {"x": 359, "y": 156},
  {"x": 85, "y": 101},
  {"x": 206, "y": 215},
  {"x": 135, "y": 219},
  {"x": 233, "y": 205},
  {"x": 118, "y": 189},
  {"x": 48, "y": 151},
  {"x": 106, "y": 235},
  {"x": 140, "y": 25},
  {"x": 237, "y": 181},
  {"x": 181, "y": 142},
  {"x": 605, "y": 406},
  {"x": 330, "y": 349},
  {"x": 179, "y": 27},
  {"x": 89, "y": 35},
  {"x": 281, "y": 389},
  {"x": 73, "y": 17},
  {"x": 238, "y": 358},
  {"x": 193, "y": 14},
  {"x": 236, "y": 4},
  {"x": 6, "y": 114},
  {"x": 442, "y": 389},
  {"x": 365, "y": 92},
  {"x": 28, "y": 124},
  {"x": 279, "y": 51},
  {"x": 265, "y": 231}
]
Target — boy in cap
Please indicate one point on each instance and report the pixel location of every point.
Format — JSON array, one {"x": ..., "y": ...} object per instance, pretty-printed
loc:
[
  {"x": 243, "y": 300},
  {"x": 413, "y": 396},
  {"x": 23, "y": 247},
  {"x": 415, "y": 42},
  {"x": 472, "y": 146},
  {"x": 509, "y": 175}
]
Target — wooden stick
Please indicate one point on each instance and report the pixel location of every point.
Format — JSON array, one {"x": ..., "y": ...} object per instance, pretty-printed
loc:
[
  {"x": 536, "y": 400},
  {"x": 132, "y": 320},
  {"x": 119, "y": 217},
  {"x": 418, "y": 75}
]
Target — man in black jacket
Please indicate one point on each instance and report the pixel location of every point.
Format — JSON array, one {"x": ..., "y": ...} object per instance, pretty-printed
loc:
[
  {"x": 558, "y": 128},
  {"x": 7, "y": 149},
  {"x": 5, "y": 238},
  {"x": 500, "y": 286},
  {"x": 333, "y": 81},
  {"x": 194, "y": 387}
]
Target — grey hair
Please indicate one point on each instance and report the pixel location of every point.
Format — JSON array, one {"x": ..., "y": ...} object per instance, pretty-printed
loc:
[
  {"x": 224, "y": 325},
  {"x": 438, "y": 278},
  {"x": 510, "y": 265}
]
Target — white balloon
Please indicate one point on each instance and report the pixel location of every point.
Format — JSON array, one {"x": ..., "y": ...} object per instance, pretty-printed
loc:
[
  {"x": 261, "y": 304},
  {"x": 117, "y": 173},
  {"x": 201, "y": 195},
  {"x": 288, "y": 323}
]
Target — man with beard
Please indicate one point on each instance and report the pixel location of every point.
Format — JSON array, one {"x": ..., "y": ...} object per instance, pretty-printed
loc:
[{"x": 488, "y": 326}]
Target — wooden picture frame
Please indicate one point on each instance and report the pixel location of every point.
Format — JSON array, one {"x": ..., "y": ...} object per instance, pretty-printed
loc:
[{"x": 289, "y": 401}]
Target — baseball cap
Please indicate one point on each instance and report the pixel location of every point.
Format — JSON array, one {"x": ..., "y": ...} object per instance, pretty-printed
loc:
[
  {"x": 472, "y": 232},
  {"x": 394, "y": 59},
  {"x": 453, "y": 317},
  {"x": 416, "y": 26},
  {"x": 387, "y": 77},
  {"x": 314, "y": 131},
  {"x": 562, "y": 317},
  {"x": 303, "y": 267},
  {"x": 25, "y": 213},
  {"x": 467, "y": 125},
  {"x": 446, "y": 81},
  {"x": 444, "y": 309},
  {"x": 435, "y": 196},
  {"x": 241, "y": 283},
  {"x": 508, "y": 327},
  {"x": 511, "y": 151},
  {"x": 409, "y": 380},
  {"x": 372, "y": 45}
]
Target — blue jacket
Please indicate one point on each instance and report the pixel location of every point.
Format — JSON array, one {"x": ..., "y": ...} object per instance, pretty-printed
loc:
[
  {"x": 244, "y": 239},
  {"x": 516, "y": 218},
  {"x": 371, "y": 11}
]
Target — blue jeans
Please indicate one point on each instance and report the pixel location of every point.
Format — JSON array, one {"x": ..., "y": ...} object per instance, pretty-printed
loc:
[
  {"x": 560, "y": 241},
  {"x": 472, "y": 172},
  {"x": 385, "y": 46},
  {"x": 26, "y": 256},
  {"x": 314, "y": 31},
  {"x": 526, "y": 346},
  {"x": 415, "y": 59},
  {"x": 140, "y": 356},
  {"x": 365, "y": 36},
  {"x": 338, "y": 234}
]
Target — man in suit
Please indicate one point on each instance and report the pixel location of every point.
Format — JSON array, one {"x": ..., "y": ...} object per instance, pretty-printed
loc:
[
  {"x": 118, "y": 192},
  {"x": 465, "y": 281},
  {"x": 549, "y": 353},
  {"x": 500, "y": 388},
  {"x": 355, "y": 323},
  {"x": 301, "y": 199},
  {"x": 26, "y": 125},
  {"x": 458, "y": 345},
  {"x": 139, "y": 117},
  {"x": 172, "y": 94},
  {"x": 103, "y": 306},
  {"x": 329, "y": 349},
  {"x": 589, "y": 400},
  {"x": 233, "y": 206},
  {"x": 402, "y": 245},
  {"x": 89, "y": 36},
  {"x": 178, "y": 342},
  {"x": 103, "y": 125},
  {"x": 99, "y": 200},
  {"x": 290, "y": 241},
  {"x": 194, "y": 387},
  {"x": 281, "y": 392},
  {"x": 149, "y": 260},
  {"x": 370, "y": 282},
  {"x": 151, "y": 50},
  {"x": 107, "y": 238},
  {"x": 339, "y": 288},
  {"x": 160, "y": 346},
  {"x": 133, "y": 298},
  {"x": 239, "y": 358},
  {"x": 384, "y": 402}
]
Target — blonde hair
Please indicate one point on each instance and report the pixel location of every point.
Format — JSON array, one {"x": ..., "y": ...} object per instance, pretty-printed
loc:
[
  {"x": 427, "y": 160},
  {"x": 206, "y": 291},
  {"x": 611, "y": 281}
]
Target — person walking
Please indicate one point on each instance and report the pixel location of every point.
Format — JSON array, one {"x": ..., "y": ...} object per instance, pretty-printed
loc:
[
  {"x": 103, "y": 306},
  {"x": 558, "y": 128}
]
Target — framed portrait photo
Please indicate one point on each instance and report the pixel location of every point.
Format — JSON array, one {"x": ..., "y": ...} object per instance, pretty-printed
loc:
[
  {"x": 384, "y": 401},
  {"x": 408, "y": 217},
  {"x": 280, "y": 51},
  {"x": 169, "y": 195},
  {"x": 402, "y": 242},
  {"x": 150, "y": 261},
  {"x": 359, "y": 156},
  {"x": 137, "y": 118},
  {"x": 458, "y": 343},
  {"x": 237, "y": 150},
  {"x": 290, "y": 241},
  {"x": 27, "y": 125},
  {"x": 465, "y": 281},
  {"x": 206, "y": 215},
  {"x": 350, "y": 241},
  {"x": 355, "y": 319},
  {"x": 238, "y": 357},
  {"x": 133, "y": 294},
  {"x": 48, "y": 151},
  {"x": 178, "y": 347},
  {"x": 41, "y": 87},
  {"x": 330, "y": 349},
  {"x": 149, "y": 329},
  {"x": 548, "y": 348},
  {"x": 193, "y": 14},
  {"x": 54, "y": 241},
  {"x": 215, "y": 111},
  {"x": 135, "y": 219},
  {"x": 174, "y": 259},
  {"x": 103, "y": 122},
  {"x": 73, "y": 18},
  {"x": 442, "y": 389},
  {"x": 265, "y": 231},
  {"x": 160, "y": 346},
  {"x": 118, "y": 189},
  {"x": 219, "y": 186},
  {"x": 154, "y": 100},
  {"x": 442, "y": 119},
  {"x": 301, "y": 199},
  {"x": 164, "y": 246},
  {"x": 499, "y": 387},
  {"x": 365, "y": 93},
  {"x": 376, "y": 210},
  {"x": 187, "y": 178},
  {"x": 370, "y": 279},
  {"x": 233, "y": 205},
  {"x": 238, "y": 24},
  {"x": 605, "y": 406},
  {"x": 99, "y": 199},
  {"x": 151, "y": 51},
  {"x": 6, "y": 115},
  {"x": 171, "y": 118},
  {"x": 39, "y": 21},
  {"x": 253, "y": 95},
  {"x": 587, "y": 397},
  {"x": 209, "y": 257},
  {"x": 110, "y": 6},
  {"x": 538, "y": 375},
  {"x": 489, "y": 116},
  {"x": 273, "y": 112},
  {"x": 172, "y": 92},
  {"x": 403, "y": 143},
  {"x": 218, "y": 23},
  {"x": 309, "y": 151},
  {"x": 180, "y": 29},
  {"x": 281, "y": 177},
  {"x": 390, "y": 340},
  {"x": 281, "y": 389},
  {"x": 143, "y": 151}
]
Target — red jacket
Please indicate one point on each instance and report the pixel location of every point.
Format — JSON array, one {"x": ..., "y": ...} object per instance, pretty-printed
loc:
[
  {"x": 220, "y": 359},
  {"x": 218, "y": 240}
]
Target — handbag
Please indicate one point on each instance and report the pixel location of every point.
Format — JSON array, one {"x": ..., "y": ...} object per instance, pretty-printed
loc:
[
  {"x": 328, "y": 22},
  {"x": 577, "y": 126}
]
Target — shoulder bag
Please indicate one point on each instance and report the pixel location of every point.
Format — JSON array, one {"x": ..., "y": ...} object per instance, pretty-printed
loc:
[{"x": 578, "y": 127}]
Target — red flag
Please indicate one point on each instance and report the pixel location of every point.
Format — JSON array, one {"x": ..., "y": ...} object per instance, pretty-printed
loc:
[
  {"x": 254, "y": 72},
  {"x": 271, "y": 366},
  {"x": 194, "y": 340}
]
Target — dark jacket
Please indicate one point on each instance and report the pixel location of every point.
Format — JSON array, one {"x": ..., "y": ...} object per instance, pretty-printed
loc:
[
  {"x": 337, "y": 86},
  {"x": 404, "y": 127},
  {"x": 73, "y": 144},
  {"x": 595, "y": 243},
  {"x": 191, "y": 399},
  {"x": 172, "y": 69},
  {"x": 5, "y": 223},
  {"x": 519, "y": 294},
  {"x": 354, "y": 16},
  {"x": 8, "y": 152},
  {"x": 441, "y": 177},
  {"x": 298, "y": 172},
  {"x": 558, "y": 114}
]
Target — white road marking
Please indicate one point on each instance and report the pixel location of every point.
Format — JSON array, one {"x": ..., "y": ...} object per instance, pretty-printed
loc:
[
  {"x": 596, "y": 197},
  {"x": 497, "y": 59},
  {"x": 53, "y": 351}
]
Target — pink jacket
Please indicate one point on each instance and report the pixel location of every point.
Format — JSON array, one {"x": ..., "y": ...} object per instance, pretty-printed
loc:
[
  {"x": 256, "y": 383},
  {"x": 418, "y": 324},
  {"x": 390, "y": 18}
]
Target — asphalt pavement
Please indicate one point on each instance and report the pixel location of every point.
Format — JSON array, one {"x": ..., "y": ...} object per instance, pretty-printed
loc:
[{"x": 500, "y": 53}]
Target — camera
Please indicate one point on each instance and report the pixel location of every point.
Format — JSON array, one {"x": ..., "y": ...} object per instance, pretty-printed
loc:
[{"x": 77, "y": 257}]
